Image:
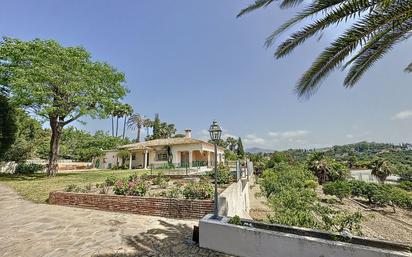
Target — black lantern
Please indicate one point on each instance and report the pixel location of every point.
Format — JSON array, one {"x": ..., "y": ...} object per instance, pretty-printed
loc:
[{"x": 215, "y": 131}]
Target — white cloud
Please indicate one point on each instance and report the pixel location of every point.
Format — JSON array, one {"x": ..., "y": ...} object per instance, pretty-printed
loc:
[
  {"x": 403, "y": 115},
  {"x": 253, "y": 139},
  {"x": 289, "y": 134},
  {"x": 350, "y": 136}
]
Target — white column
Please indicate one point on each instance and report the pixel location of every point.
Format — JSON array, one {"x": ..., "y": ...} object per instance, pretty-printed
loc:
[
  {"x": 190, "y": 158},
  {"x": 209, "y": 159},
  {"x": 130, "y": 161},
  {"x": 145, "y": 160}
]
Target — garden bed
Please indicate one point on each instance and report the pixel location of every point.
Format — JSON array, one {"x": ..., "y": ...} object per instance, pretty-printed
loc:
[
  {"x": 156, "y": 206},
  {"x": 185, "y": 197}
]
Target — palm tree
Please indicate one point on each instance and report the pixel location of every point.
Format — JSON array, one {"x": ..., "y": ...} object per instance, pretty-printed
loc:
[
  {"x": 377, "y": 26},
  {"x": 136, "y": 121},
  {"x": 147, "y": 123},
  {"x": 128, "y": 110},
  {"x": 319, "y": 166},
  {"x": 381, "y": 169}
]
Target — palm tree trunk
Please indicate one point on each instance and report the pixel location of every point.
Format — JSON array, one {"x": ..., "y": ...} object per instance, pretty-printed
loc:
[
  {"x": 117, "y": 125},
  {"x": 138, "y": 135},
  {"x": 124, "y": 126},
  {"x": 112, "y": 127}
]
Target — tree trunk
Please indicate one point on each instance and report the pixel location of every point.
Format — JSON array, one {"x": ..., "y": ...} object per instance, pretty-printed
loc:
[
  {"x": 112, "y": 127},
  {"x": 138, "y": 135},
  {"x": 56, "y": 129},
  {"x": 117, "y": 125},
  {"x": 124, "y": 126}
]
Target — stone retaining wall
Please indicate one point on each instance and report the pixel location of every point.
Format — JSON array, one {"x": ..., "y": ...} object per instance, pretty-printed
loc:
[{"x": 155, "y": 206}]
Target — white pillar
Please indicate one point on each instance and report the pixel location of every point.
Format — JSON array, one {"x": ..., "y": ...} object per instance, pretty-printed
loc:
[
  {"x": 130, "y": 161},
  {"x": 190, "y": 158},
  {"x": 145, "y": 160},
  {"x": 209, "y": 159}
]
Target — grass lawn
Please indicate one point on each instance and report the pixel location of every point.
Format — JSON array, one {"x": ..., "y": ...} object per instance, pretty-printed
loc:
[{"x": 36, "y": 187}]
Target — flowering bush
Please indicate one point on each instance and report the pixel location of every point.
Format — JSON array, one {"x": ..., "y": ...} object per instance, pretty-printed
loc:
[
  {"x": 138, "y": 188},
  {"x": 134, "y": 187},
  {"x": 121, "y": 187}
]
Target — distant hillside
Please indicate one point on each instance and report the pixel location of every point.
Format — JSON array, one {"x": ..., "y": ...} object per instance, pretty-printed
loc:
[{"x": 258, "y": 150}]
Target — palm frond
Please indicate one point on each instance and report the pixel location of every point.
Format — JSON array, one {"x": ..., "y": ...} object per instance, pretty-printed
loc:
[
  {"x": 309, "y": 11},
  {"x": 256, "y": 5},
  {"x": 374, "y": 52},
  {"x": 334, "y": 55},
  {"x": 344, "y": 11}
]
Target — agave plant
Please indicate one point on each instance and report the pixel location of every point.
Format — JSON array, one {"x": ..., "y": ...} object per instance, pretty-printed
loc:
[{"x": 377, "y": 26}]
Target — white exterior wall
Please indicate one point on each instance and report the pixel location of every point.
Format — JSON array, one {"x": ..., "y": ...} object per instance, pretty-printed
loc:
[
  {"x": 110, "y": 156},
  {"x": 246, "y": 241},
  {"x": 234, "y": 200}
]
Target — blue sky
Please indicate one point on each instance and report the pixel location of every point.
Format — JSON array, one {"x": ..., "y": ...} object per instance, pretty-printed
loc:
[{"x": 193, "y": 61}]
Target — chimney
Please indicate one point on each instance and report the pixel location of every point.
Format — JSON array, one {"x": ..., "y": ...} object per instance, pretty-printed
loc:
[{"x": 188, "y": 133}]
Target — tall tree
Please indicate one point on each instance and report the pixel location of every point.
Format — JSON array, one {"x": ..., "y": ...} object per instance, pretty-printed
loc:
[
  {"x": 128, "y": 110},
  {"x": 232, "y": 143},
  {"x": 60, "y": 84},
  {"x": 147, "y": 123},
  {"x": 8, "y": 126},
  {"x": 240, "y": 150},
  {"x": 375, "y": 28},
  {"x": 156, "y": 127},
  {"x": 136, "y": 122}
]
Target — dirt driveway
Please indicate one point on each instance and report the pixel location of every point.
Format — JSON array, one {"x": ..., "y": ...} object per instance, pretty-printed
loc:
[{"x": 28, "y": 229}]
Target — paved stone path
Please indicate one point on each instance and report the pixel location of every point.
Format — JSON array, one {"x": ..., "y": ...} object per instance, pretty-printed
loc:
[{"x": 29, "y": 229}]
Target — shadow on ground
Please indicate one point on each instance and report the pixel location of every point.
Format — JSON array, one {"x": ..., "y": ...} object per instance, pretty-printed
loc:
[{"x": 171, "y": 241}]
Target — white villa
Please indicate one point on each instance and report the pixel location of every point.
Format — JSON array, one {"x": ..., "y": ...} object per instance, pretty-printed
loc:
[{"x": 185, "y": 152}]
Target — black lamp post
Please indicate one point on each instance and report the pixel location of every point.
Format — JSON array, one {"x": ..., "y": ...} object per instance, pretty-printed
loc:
[{"x": 215, "y": 133}]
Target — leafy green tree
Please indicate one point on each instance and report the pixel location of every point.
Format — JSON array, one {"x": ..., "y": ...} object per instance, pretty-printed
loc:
[
  {"x": 29, "y": 136},
  {"x": 8, "y": 126},
  {"x": 381, "y": 169},
  {"x": 375, "y": 28},
  {"x": 240, "y": 151},
  {"x": 340, "y": 189},
  {"x": 59, "y": 84}
]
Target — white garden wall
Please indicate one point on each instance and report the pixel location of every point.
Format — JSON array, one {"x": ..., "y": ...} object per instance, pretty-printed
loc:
[
  {"x": 234, "y": 200},
  {"x": 246, "y": 241}
]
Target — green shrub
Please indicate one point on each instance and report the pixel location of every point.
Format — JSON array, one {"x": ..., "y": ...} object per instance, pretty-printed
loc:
[
  {"x": 224, "y": 175},
  {"x": 174, "y": 193},
  {"x": 235, "y": 220},
  {"x": 200, "y": 190},
  {"x": 406, "y": 185},
  {"x": 133, "y": 177},
  {"x": 358, "y": 188},
  {"x": 110, "y": 180},
  {"x": 74, "y": 188},
  {"x": 311, "y": 184},
  {"x": 340, "y": 189},
  {"x": 160, "y": 180},
  {"x": 26, "y": 168}
]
